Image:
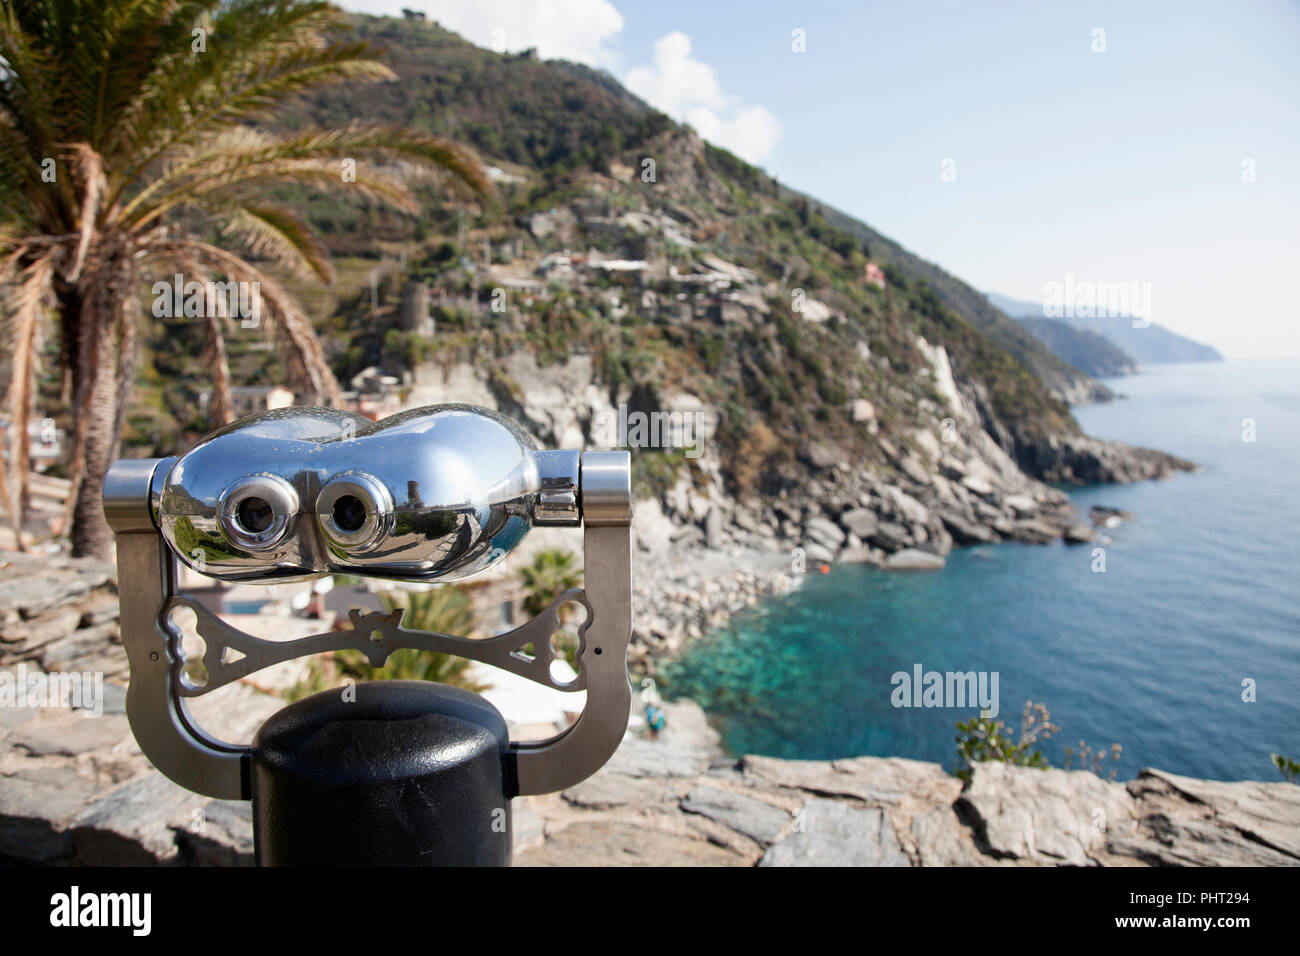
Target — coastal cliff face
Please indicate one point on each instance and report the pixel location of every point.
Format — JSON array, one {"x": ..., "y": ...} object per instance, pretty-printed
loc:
[
  {"x": 626, "y": 267},
  {"x": 790, "y": 382},
  {"x": 927, "y": 491},
  {"x": 834, "y": 393}
]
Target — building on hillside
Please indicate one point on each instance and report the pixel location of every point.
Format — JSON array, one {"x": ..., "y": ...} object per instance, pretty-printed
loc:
[
  {"x": 524, "y": 285},
  {"x": 414, "y": 312},
  {"x": 711, "y": 280},
  {"x": 453, "y": 302},
  {"x": 617, "y": 265},
  {"x": 557, "y": 268},
  {"x": 874, "y": 276},
  {"x": 510, "y": 249},
  {"x": 248, "y": 400},
  {"x": 373, "y": 394}
]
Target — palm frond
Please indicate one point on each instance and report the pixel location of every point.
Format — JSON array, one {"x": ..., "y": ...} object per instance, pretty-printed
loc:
[
  {"x": 174, "y": 76},
  {"x": 243, "y": 159},
  {"x": 246, "y": 97},
  {"x": 220, "y": 407},
  {"x": 273, "y": 232},
  {"x": 309, "y": 369},
  {"x": 91, "y": 169}
]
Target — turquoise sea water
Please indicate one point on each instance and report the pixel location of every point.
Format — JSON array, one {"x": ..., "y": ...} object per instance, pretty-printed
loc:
[{"x": 1200, "y": 592}]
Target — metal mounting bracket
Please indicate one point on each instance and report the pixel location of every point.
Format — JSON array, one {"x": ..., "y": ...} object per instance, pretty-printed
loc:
[{"x": 159, "y": 689}]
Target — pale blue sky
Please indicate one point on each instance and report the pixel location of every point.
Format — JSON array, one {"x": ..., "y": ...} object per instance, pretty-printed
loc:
[{"x": 1122, "y": 165}]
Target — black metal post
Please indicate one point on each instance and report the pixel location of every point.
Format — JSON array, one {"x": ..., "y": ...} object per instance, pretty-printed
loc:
[{"x": 397, "y": 773}]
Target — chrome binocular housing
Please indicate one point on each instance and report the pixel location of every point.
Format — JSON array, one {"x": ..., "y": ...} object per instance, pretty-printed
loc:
[{"x": 433, "y": 494}]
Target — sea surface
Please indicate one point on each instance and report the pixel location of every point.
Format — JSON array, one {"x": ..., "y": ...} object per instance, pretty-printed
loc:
[{"x": 1198, "y": 607}]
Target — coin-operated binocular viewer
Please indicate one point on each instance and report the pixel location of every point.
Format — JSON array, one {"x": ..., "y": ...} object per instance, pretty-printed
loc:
[{"x": 383, "y": 772}]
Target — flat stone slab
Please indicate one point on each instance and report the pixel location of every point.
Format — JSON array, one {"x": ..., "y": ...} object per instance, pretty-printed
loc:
[
  {"x": 606, "y": 790},
  {"x": 967, "y": 532},
  {"x": 859, "y": 555},
  {"x": 527, "y": 829},
  {"x": 11, "y": 718},
  {"x": 883, "y": 780},
  {"x": 655, "y": 758},
  {"x": 601, "y": 843},
  {"x": 1189, "y": 822},
  {"x": 219, "y": 833},
  {"x": 1048, "y": 816},
  {"x": 896, "y": 775},
  {"x": 759, "y": 821},
  {"x": 833, "y": 833},
  {"x": 1080, "y": 533},
  {"x": 1268, "y": 813},
  {"x": 1188, "y": 841},
  {"x": 1034, "y": 532},
  {"x": 132, "y": 824},
  {"x": 941, "y": 840},
  {"x": 34, "y": 809},
  {"x": 687, "y": 726},
  {"x": 233, "y": 713},
  {"x": 861, "y": 521},
  {"x": 70, "y": 733},
  {"x": 34, "y": 583}
]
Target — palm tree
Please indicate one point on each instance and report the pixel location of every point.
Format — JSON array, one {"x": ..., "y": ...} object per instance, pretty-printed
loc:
[
  {"x": 126, "y": 143},
  {"x": 550, "y": 574}
]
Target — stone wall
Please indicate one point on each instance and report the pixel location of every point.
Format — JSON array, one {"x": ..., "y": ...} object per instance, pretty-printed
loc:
[{"x": 60, "y": 614}]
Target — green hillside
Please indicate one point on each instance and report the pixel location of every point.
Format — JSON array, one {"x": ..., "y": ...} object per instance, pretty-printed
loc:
[
  {"x": 1082, "y": 348},
  {"x": 1062, "y": 379},
  {"x": 571, "y": 147}
]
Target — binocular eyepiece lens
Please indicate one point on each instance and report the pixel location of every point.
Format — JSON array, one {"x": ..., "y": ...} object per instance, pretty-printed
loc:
[
  {"x": 355, "y": 512},
  {"x": 349, "y": 513},
  {"x": 254, "y": 514}
]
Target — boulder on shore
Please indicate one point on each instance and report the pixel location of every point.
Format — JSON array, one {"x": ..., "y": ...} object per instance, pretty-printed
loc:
[
  {"x": 1080, "y": 533},
  {"x": 914, "y": 559},
  {"x": 860, "y": 521}
]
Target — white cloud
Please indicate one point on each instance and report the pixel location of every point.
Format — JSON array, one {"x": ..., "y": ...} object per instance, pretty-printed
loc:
[
  {"x": 676, "y": 82},
  {"x": 750, "y": 133},
  {"x": 688, "y": 89},
  {"x": 565, "y": 29}
]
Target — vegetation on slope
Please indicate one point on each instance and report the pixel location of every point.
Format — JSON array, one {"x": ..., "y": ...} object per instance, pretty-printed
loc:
[
  {"x": 566, "y": 138},
  {"x": 1085, "y": 350}
]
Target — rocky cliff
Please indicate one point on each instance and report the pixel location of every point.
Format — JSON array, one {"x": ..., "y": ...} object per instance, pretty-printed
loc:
[
  {"x": 921, "y": 494},
  {"x": 677, "y": 801},
  {"x": 625, "y": 265}
]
